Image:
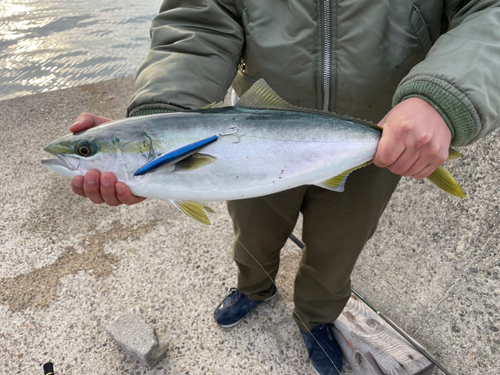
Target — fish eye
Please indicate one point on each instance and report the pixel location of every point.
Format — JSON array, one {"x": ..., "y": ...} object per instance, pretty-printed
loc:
[{"x": 84, "y": 149}]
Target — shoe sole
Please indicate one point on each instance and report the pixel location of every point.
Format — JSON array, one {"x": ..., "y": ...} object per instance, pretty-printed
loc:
[
  {"x": 316, "y": 371},
  {"x": 239, "y": 321}
]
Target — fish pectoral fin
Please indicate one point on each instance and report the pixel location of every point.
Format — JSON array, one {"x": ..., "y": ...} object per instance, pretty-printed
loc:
[
  {"x": 194, "y": 162},
  {"x": 194, "y": 210},
  {"x": 337, "y": 183},
  {"x": 444, "y": 180}
]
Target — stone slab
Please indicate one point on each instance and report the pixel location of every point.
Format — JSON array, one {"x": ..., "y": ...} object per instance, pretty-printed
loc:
[{"x": 137, "y": 338}]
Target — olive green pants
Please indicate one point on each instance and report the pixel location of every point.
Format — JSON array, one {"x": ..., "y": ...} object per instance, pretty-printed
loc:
[{"x": 335, "y": 229}]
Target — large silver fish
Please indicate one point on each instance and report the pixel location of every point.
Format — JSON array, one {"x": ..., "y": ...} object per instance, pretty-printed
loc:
[{"x": 278, "y": 146}]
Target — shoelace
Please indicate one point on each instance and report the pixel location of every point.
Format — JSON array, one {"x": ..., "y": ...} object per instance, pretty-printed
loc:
[
  {"x": 234, "y": 295},
  {"x": 328, "y": 330},
  {"x": 322, "y": 334}
]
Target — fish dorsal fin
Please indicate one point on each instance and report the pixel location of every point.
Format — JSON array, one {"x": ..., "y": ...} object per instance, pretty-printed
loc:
[
  {"x": 196, "y": 211},
  {"x": 337, "y": 183},
  {"x": 260, "y": 95},
  {"x": 214, "y": 105}
]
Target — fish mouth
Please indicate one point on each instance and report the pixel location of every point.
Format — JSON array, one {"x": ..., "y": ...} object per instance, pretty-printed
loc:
[{"x": 62, "y": 164}]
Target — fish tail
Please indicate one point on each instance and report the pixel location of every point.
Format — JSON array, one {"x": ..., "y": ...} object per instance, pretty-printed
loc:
[
  {"x": 453, "y": 154},
  {"x": 444, "y": 180}
]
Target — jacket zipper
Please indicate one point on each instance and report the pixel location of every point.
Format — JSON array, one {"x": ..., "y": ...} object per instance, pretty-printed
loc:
[{"x": 327, "y": 54}]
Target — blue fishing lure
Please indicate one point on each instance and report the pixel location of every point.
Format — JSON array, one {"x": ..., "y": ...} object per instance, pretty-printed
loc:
[{"x": 181, "y": 153}]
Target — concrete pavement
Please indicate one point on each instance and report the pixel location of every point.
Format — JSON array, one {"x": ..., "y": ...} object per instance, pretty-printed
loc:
[{"x": 68, "y": 268}]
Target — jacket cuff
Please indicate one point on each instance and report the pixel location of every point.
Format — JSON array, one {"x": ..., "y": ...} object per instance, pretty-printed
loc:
[
  {"x": 454, "y": 112},
  {"x": 151, "y": 109}
]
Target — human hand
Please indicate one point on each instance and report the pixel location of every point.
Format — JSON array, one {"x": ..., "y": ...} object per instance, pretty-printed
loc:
[
  {"x": 100, "y": 188},
  {"x": 415, "y": 140}
]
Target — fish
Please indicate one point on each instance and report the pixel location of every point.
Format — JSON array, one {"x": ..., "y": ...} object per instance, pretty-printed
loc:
[{"x": 278, "y": 146}]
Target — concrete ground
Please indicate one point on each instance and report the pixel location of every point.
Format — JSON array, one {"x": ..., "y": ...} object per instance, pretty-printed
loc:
[{"x": 68, "y": 268}]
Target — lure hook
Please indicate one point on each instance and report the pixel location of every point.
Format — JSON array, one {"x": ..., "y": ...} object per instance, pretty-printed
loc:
[{"x": 234, "y": 130}]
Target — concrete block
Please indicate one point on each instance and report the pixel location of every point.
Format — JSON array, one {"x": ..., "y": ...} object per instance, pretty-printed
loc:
[{"x": 138, "y": 339}]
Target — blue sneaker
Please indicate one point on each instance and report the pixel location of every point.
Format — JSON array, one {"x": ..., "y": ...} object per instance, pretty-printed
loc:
[
  {"x": 234, "y": 307},
  {"x": 323, "y": 341}
]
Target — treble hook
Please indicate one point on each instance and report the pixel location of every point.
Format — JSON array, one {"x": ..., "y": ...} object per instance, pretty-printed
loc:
[{"x": 234, "y": 129}]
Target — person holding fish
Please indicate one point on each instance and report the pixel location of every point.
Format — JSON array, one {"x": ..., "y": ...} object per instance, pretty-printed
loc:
[{"x": 427, "y": 72}]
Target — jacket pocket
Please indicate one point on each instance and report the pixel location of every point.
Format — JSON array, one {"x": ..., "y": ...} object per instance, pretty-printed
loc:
[{"x": 419, "y": 29}]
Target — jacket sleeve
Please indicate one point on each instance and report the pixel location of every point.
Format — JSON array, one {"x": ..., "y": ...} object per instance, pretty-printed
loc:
[
  {"x": 460, "y": 76},
  {"x": 195, "y": 48}
]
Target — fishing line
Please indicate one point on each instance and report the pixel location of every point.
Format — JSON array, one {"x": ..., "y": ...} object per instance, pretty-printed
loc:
[
  {"x": 300, "y": 244},
  {"x": 297, "y": 315}
]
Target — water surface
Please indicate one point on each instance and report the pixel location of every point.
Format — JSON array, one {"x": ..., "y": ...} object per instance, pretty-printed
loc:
[{"x": 51, "y": 44}]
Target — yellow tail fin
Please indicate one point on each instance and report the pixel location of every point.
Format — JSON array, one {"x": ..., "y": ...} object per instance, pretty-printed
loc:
[{"x": 444, "y": 180}]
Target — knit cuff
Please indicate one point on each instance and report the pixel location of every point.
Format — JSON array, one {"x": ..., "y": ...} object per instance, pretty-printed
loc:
[
  {"x": 453, "y": 111},
  {"x": 151, "y": 109},
  {"x": 145, "y": 112}
]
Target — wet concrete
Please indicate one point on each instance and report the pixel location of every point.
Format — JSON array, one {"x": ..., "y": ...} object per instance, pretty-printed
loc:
[
  {"x": 68, "y": 268},
  {"x": 37, "y": 288}
]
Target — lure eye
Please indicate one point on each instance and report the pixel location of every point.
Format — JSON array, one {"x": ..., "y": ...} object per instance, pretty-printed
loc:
[{"x": 84, "y": 149}]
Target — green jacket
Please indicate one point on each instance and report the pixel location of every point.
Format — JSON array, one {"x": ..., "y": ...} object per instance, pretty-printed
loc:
[{"x": 355, "y": 57}]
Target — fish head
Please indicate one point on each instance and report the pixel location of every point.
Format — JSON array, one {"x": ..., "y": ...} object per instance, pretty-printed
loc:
[
  {"x": 103, "y": 148},
  {"x": 76, "y": 154}
]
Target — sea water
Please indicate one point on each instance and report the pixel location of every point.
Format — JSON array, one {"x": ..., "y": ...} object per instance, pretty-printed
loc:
[{"x": 46, "y": 45}]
